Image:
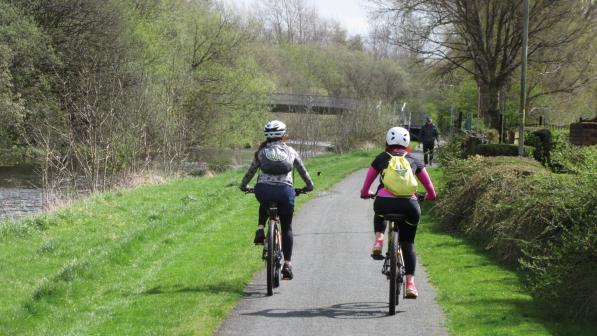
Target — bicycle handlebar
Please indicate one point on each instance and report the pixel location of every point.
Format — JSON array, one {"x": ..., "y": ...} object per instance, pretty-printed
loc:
[
  {"x": 297, "y": 191},
  {"x": 420, "y": 196}
]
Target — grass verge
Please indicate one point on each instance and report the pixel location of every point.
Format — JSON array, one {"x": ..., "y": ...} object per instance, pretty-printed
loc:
[
  {"x": 478, "y": 296},
  {"x": 166, "y": 259}
]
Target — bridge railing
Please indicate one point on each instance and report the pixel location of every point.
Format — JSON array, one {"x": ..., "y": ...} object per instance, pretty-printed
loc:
[{"x": 310, "y": 101}]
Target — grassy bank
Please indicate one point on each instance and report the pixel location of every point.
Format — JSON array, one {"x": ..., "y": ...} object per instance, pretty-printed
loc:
[
  {"x": 478, "y": 296},
  {"x": 162, "y": 259}
]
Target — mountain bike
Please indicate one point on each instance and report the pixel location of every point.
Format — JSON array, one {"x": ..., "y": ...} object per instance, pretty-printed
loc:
[
  {"x": 393, "y": 267},
  {"x": 272, "y": 246}
]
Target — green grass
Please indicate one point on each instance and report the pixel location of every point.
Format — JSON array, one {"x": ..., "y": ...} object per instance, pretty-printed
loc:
[
  {"x": 173, "y": 259},
  {"x": 164, "y": 259},
  {"x": 478, "y": 296}
]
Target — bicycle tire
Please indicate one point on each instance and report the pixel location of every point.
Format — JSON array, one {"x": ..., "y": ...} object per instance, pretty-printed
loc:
[
  {"x": 401, "y": 283},
  {"x": 270, "y": 260},
  {"x": 277, "y": 257},
  {"x": 392, "y": 248}
]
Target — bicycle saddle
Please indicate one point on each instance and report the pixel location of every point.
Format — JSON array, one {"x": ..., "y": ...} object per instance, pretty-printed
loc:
[{"x": 394, "y": 217}]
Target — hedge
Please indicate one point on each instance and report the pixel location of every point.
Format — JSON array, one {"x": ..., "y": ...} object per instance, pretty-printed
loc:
[
  {"x": 541, "y": 222},
  {"x": 502, "y": 150}
]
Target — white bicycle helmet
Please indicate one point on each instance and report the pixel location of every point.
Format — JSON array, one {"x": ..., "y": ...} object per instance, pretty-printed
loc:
[
  {"x": 398, "y": 136},
  {"x": 274, "y": 129}
]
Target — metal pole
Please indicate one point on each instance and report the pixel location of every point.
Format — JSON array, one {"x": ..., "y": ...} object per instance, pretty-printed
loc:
[
  {"x": 402, "y": 113},
  {"x": 523, "y": 76}
]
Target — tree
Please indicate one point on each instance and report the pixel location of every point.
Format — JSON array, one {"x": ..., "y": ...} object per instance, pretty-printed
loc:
[
  {"x": 483, "y": 37},
  {"x": 25, "y": 57},
  {"x": 295, "y": 21}
]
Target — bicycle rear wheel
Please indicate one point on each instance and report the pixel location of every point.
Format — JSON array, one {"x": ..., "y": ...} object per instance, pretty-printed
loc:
[
  {"x": 401, "y": 283},
  {"x": 394, "y": 291},
  {"x": 271, "y": 255}
]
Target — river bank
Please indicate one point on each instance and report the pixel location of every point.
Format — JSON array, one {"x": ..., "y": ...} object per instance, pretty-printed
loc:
[{"x": 20, "y": 184}]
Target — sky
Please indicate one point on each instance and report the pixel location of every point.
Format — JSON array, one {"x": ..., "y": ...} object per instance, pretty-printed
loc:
[{"x": 352, "y": 14}]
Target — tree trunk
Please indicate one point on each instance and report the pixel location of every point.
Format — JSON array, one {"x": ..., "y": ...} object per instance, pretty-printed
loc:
[{"x": 489, "y": 103}]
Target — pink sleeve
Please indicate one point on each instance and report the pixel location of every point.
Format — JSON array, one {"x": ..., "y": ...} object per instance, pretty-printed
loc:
[
  {"x": 371, "y": 175},
  {"x": 426, "y": 181}
]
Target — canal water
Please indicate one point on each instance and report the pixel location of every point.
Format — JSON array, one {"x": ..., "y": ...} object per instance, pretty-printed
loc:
[{"x": 20, "y": 192}]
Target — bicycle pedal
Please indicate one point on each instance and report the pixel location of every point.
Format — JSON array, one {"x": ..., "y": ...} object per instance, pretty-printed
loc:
[{"x": 377, "y": 256}]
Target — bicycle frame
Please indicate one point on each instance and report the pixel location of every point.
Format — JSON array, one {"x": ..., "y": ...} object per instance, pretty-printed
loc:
[
  {"x": 272, "y": 247},
  {"x": 393, "y": 266}
]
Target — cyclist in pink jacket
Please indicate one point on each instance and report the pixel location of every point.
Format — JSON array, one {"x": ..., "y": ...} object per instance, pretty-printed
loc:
[{"x": 397, "y": 141}]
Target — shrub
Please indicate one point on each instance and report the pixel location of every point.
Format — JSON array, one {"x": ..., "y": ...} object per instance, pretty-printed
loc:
[
  {"x": 453, "y": 150},
  {"x": 492, "y": 135},
  {"x": 18, "y": 155},
  {"x": 465, "y": 144},
  {"x": 570, "y": 158},
  {"x": 219, "y": 166},
  {"x": 502, "y": 150},
  {"x": 527, "y": 216}
]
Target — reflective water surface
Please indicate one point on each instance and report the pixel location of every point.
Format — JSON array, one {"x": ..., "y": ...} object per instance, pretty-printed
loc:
[{"x": 20, "y": 192}]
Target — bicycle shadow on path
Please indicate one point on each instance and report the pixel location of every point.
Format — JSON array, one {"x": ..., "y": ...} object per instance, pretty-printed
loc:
[{"x": 351, "y": 311}]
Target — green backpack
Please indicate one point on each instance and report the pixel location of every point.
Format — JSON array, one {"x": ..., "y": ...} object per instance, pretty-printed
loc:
[{"x": 398, "y": 177}]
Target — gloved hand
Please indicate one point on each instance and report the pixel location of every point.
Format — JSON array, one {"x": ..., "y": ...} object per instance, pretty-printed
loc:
[
  {"x": 309, "y": 188},
  {"x": 429, "y": 197},
  {"x": 365, "y": 194},
  {"x": 243, "y": 188}
]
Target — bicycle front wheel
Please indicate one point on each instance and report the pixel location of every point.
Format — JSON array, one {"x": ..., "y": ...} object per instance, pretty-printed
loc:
[
  {"x": 271, "y": 255},
  {"x": 392, "y": 250}
]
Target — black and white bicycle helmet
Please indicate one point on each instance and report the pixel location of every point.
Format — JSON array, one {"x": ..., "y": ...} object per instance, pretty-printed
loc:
[{"x": 274, "y": 129}]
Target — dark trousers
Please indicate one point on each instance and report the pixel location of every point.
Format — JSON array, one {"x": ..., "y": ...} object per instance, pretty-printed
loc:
[
  {"x": 406, "y": 231},
  {"x": 283, "y": 195},
  {"x": 428, "y": 152}
]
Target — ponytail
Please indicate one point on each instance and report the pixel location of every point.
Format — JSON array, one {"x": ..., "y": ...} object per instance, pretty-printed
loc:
[{"x": 260, "y": 148}]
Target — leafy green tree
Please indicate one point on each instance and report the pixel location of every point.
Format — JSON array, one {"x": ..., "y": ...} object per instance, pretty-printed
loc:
[
  {"x": 26, "y": 57},
  {"x": 484, "y": 37}
]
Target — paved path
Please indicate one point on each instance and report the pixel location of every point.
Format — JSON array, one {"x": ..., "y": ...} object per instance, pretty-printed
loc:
[{"x": 338, "y": 289}]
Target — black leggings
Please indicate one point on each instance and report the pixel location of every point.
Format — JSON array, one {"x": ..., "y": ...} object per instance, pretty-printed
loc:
[
  {"x": 407, "y": 231},
  {"x": 428, "y": 152},
  {"x": 284, "y": 195}
]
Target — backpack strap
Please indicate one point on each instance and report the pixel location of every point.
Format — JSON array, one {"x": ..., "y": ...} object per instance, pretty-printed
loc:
[{"x": 391, "y": 156}]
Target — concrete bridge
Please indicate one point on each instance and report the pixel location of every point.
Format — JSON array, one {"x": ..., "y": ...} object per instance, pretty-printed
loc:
[{"x": 318, "y": 104}]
